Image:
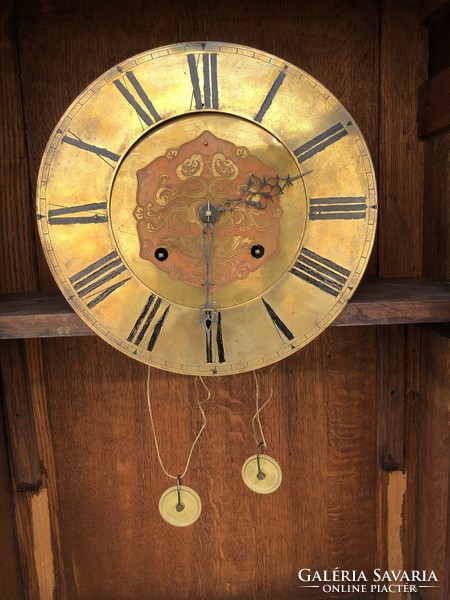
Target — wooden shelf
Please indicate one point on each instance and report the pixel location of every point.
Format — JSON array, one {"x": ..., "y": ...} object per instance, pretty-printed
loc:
[{"x": 376, "y": 302}]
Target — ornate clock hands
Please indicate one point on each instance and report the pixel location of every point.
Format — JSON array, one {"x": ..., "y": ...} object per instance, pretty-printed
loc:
[
  {"x": 258, "y": 191},
  {"x": 207, "y": 232},
  {"x": 207, "y": 313}
]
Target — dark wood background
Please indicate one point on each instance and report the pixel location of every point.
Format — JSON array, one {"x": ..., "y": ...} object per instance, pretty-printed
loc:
[{"x": 349, "y": 404}]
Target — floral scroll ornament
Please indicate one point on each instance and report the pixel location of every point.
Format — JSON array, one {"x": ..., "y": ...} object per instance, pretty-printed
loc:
[{"x": 171, "y": 190}]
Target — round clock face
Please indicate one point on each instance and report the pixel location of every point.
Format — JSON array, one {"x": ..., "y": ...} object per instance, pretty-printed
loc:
[{"x": 207, "y": 208}]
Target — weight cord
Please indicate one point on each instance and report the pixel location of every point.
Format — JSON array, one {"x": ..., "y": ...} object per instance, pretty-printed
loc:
[
  {"x": 256, "y": 416},
  {"x": 255, "y": 420},
  {"x": 202, "y": 412}
]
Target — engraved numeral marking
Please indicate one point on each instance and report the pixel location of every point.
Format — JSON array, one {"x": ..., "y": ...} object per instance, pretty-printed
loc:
[
  {"x": 100, "y": 152},
  {"x": 148, "y": 326},
  {"x": 270, "y": 96},
  {"x": 147, "y": 112},
  {"x": 277, "y": 321},
  {"x": 320, "y": 142},
  {"x": 207, "y": 95},
  {"x": 320, "y": 272},
  {"x": 209, "y": 338},
  {"x": 325, "y": 209},
  {"x": 96, "y": 277},
  {"x": 69, "y": 215},
  {"x": 219, "y": 339}
]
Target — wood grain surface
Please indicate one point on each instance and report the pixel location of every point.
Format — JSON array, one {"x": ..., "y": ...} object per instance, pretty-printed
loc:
[
  {"x": 18, "y": 246},
  {"x": 434, "y": 463},
  {"x": 19, "y": 418},
  {"x": 10, "y": 576},
  {"x": 433, "y": 539},
  {"x": 18, "y": 249},
  {"x": 403, "y": 62},
  {"x": 434, "y": 112},
  {"x": 101, "y": 474}
]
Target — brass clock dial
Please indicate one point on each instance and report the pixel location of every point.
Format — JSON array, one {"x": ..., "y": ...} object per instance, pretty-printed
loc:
[{"x": 207, "y": 208}]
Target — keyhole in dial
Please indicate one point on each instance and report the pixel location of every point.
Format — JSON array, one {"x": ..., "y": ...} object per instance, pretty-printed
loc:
[
  {"x": 257, "y": 251},
  {"x": 161, "y": 254}
]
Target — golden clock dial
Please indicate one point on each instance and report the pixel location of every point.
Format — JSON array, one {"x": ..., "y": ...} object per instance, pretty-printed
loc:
[
  {"x": 166, "y": 178},
  {"x": 207, "y": 208}
]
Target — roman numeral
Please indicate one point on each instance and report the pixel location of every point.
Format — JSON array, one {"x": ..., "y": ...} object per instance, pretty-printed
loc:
[
  {"x": 148, "y": 326},
  {"x": 320, "y": 142},
  {"x": 206, "y": 95},
  {"x": 326, "y": 209},
  {"x": 147, "y": 112},
  {"x": 281, "y": 327},
  {"x": 93, "y": 281},
  {"x": 81, "y": 214},
  {"x": 209, "y": 322},
  {"x": 320, "y": 272},
  {"x": 102, "y": 153},
  {"x": 270, "y": 96}
]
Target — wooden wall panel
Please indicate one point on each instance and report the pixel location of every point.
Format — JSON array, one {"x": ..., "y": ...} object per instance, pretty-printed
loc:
[
  {"x": 18, "y": 274},
  {"x": 403, "y": 66},
  {"x": 10, "y": 577},
  {"x": 17, "y": 248},
  {"x": 437, "y": 208},
  {"x": 434, "y": 465},
  {"x": 433, "y": 536}
]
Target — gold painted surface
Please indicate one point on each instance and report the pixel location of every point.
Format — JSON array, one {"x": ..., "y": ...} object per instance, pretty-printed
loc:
[{"x": 113, "y": 157}]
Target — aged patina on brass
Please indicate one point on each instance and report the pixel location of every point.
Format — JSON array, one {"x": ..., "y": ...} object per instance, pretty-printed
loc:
[{"x": 207, "y": 208}]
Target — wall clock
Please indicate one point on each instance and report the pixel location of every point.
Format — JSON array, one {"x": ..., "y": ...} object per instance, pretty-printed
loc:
[{"x": 207, "y": 208}]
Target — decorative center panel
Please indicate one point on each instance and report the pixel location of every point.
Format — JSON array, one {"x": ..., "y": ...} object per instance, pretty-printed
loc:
[{"x": 173, "y": 188}]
